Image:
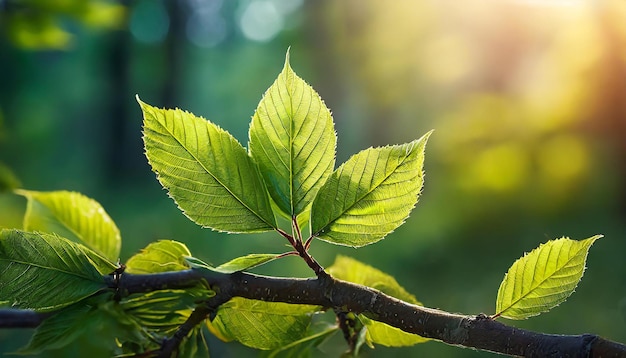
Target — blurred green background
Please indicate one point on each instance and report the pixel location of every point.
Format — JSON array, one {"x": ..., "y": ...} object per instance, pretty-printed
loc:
[{"x": 527, "y": 99}]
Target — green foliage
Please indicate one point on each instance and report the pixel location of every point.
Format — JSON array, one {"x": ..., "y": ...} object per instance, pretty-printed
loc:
[
  {"x": 206, "y": 171},
  {"x": 292, "y": 138},
  {"x": 73, "y": 216},
  {"x": 160, "y": 256},
  {"x": 370, "y": 195},
  {"x": 45, "y": 272},
  {"x": 264, "y": 325},
  {"x": 543, "y": 279}
]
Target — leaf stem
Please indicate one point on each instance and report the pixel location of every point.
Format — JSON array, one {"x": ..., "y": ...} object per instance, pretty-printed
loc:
[{"x": 303, "y": 250}]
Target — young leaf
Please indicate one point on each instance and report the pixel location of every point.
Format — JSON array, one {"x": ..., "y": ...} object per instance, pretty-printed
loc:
[
  {"x": 381, "y": 333},
  {"x": 206, "y": 171},
  {"x": 73, "y": 216},
  {"x": 543, "y": 278},
  {"x": 234, "y": 265},
  {"x": 264, "y": 325},
  {"x": 45, "y": 272},
  {"x": 315, "y": 335},
  {"x": 160, "y": 256},
  {"x": 245, "y": 262},
  {"x": 370, "y": 195},
  {"x": 293, "y": 140}
]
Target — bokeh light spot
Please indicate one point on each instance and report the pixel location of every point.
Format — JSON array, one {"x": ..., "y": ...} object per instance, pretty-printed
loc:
[
  {"x": 260, "y": 20},
  {"x": 149, "y": 21}
]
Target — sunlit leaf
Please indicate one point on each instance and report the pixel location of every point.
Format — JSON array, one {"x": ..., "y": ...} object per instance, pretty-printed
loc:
[
  {"x": 370, "y": 195},
  {"x": 73, "y": 216},
  {"x": 206, "y": 171},
  {"x": 264, "y": 325},
  {"x": 382, "y": 333},
  {"x": 160, "y": 256},
  {"x": 293, "y": 140},
  {"x": 349, "y": 269},
  {"x": 46, "y": 272},
  {"x": 543, "y": 278}
]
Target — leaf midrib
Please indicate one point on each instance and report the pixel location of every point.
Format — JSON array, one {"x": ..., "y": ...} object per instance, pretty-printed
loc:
[
  {"x": 205, "y": 168},
  {"x": 363, "y": 196},
  {"x": 522, "y": 297}
]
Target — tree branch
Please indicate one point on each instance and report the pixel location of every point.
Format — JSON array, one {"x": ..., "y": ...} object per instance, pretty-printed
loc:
[{"x": 479, "y": 332}]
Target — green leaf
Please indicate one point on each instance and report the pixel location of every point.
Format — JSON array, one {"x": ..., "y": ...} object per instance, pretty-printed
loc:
[
  {"x": 73, "y": 216},
  {"x": 59, "y": 330},
  {"x": 348, "y": 269},
  {"x": 263, "y": 325},
  {"x": 163, "y": 311},
  {"x": 370, "y": 195},
  {"x": 382, "y": 333},
  {"x": 314, "y": 336},
  {"x": 45, "y": 272},
  {"x": 206, "y": 171},
  {"x": 160, "y": 256},
  {"x": 543, "y": 278},
  {"x": 246, "y": 262},
  {"x": 234, "y": 265},
  {"x": 293, "y": 140}
]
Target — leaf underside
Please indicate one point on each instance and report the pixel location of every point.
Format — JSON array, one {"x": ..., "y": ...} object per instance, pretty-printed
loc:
[
  {"x": 45, "y": 272},
  {"x": 293, "y": 140},
  {"x": 263, "y": 325},
  {"x": 543, "y": 278},
  {"x": 206, "y": 171},
  {"x": 370, "y": 195}
]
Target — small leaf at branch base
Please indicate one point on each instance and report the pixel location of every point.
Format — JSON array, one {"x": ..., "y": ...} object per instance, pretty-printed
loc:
[
  {"x": 381, "y": 333},
  {"x": 263, "y": 325},
  {"x": 75, "y": 217},
  {"x": 245, "y": 262},
  {"x": 45, "y": 272},
  {"x": 237, "y": 264},
  {"x": 314, "y": 336},
  {"x": 543, "y": 278},
  {"x": 206, "y": 171},
  {"x": 160, "y": 256},
  {"x": 370, "y": 195},
  {"x": 293, "y": 140}
]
